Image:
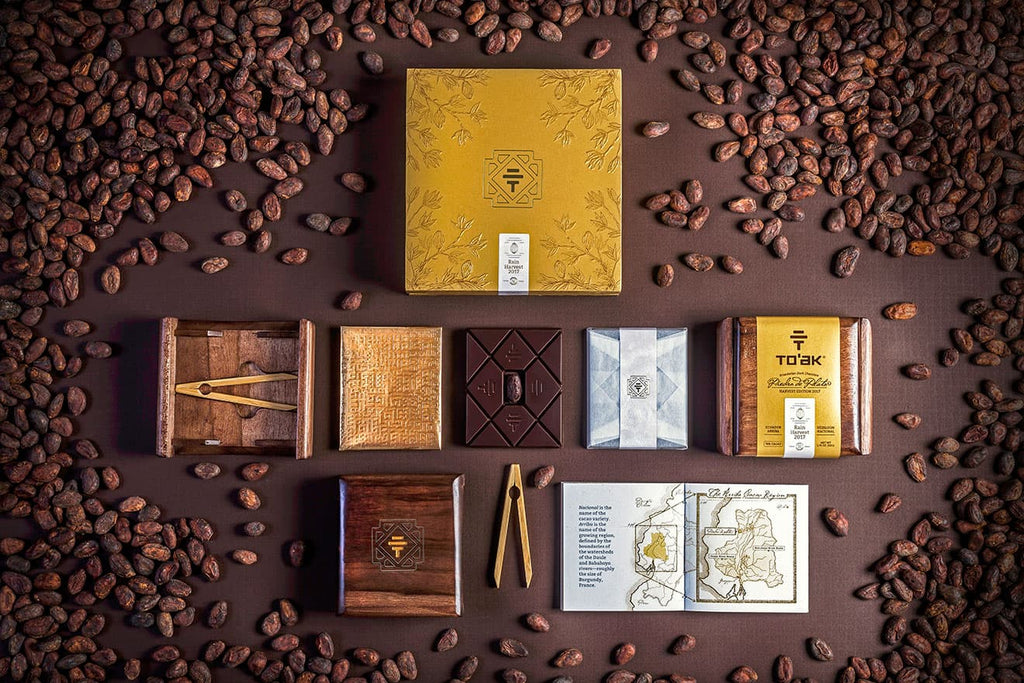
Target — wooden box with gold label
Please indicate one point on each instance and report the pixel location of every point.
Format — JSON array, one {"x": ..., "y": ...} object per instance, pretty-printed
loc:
[
  {"x": 400, "y": 551},
  {"x": 235, "y": 387},
  {"x": 794, "y": 387}
]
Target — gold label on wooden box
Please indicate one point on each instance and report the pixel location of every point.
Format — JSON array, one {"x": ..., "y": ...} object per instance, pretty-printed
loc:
[
  {"x": 513, "y": 181},
  {"x": 798, "y": 387}
]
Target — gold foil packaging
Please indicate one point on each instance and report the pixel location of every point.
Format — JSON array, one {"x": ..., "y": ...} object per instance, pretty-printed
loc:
[
  {"x": 794, "y": 387},
  {"x": 513, "y": 181},
  {"x": 390, "y": 388}
]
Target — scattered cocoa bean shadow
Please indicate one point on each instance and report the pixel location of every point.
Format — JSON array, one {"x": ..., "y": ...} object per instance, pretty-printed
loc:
[
  {"x": 136, "y": 384},
  {"x": 380, "y": 155},
  {"x": 703, "y": 381},
  {"x": 309, "y": 555},
  {"x": 240, "y": 530},
  {"x": 317, "y": 582}
]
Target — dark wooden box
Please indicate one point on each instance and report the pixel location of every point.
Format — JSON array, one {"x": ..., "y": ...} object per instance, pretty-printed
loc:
[
  {"x": 196, "y": 350},
  {"x": 400, "y": 549},
  {"x": 737, "y": 386}
]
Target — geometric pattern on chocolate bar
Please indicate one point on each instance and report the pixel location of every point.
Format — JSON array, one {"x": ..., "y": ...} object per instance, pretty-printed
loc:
[
  {"x": 397, "y": 545},
  {"x": 493, "y": 357}
]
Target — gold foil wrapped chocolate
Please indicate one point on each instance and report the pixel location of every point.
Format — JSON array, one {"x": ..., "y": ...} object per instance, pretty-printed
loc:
[{"x": 390, "y": 388}]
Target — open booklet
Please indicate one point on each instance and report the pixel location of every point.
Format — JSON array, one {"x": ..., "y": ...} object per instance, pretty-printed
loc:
[{"x": 675, "y": 547}]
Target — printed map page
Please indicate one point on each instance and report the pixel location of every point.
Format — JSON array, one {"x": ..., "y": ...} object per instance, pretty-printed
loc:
[
  {"x": 676, "y": 547},
  {"x": 746, "y": 548},
  {"x": 622, "y": 547}
]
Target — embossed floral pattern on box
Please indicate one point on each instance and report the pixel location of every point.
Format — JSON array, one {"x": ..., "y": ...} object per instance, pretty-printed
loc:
[{"x": 493, "y": 152}]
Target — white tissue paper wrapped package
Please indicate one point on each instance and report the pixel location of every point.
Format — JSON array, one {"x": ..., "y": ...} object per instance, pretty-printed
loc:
[{"x": 637, "y": 388}]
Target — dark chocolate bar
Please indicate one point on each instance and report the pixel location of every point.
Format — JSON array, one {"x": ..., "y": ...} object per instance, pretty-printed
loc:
[{"x": 514, "y": 388}]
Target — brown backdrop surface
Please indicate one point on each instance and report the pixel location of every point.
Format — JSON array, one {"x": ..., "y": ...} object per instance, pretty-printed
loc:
[{"x": 300, "y": 498}]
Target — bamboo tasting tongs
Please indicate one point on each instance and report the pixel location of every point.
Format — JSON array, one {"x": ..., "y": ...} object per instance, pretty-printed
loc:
[
  {"x": 205, "y": 389},
  {"x": 513, "y": 489}
]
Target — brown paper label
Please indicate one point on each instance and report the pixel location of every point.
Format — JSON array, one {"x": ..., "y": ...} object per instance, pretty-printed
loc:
[{"x": 798, "y": 387}]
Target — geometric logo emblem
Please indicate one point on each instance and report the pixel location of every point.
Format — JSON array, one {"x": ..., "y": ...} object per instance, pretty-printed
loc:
[
  {"x": 396, "y": 545},
  {"x": 798, "y": 337},
  {"x": 638, "y": 386},
  {"x": 512, "y": 178}
]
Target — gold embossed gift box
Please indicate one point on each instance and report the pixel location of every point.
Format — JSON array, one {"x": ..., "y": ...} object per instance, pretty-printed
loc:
[
  {"x": 390, "y": 388},
  {"x": 513, "y": 181}
]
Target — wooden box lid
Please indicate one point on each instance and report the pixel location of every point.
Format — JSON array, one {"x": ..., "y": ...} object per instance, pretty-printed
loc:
[
  {"x": 737, "y": 386},
  {"x": 195, "y": 351},
  {"x": 400, "y": 550}
]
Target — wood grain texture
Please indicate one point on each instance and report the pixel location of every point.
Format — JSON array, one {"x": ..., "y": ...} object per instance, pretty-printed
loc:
[
  {"x": 165, "y": 399},
  {"x": 737, "y": 386},
  {"x": 304, "y": 392},
  {"x": 186, "y": 424},
  {"x": 369, "y": 585}
]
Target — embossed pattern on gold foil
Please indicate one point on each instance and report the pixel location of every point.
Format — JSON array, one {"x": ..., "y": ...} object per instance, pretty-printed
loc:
[{"x": 390, "y": 388}]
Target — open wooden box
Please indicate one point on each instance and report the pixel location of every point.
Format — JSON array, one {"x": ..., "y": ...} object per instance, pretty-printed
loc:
[{"x": 198, "y": 351}]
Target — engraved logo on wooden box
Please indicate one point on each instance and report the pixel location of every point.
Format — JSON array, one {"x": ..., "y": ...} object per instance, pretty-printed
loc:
[{"x": 397, "y": 545}]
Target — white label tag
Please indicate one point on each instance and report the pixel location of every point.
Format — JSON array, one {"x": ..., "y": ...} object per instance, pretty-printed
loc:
[
  {"x": 638, "y": 388},
  {"x": 799, "y": 428},
  {"x": 513, "y": 263}
]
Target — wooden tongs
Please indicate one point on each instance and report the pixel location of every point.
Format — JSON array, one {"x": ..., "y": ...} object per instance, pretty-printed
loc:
[
  {"x": 513, "y": 490},
  {"x": 205, "y": 389}
]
